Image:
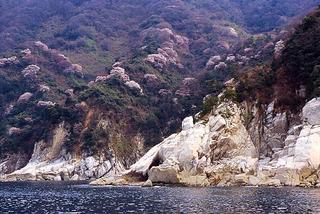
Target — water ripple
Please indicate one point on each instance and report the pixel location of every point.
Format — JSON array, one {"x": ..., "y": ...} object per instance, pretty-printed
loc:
[{"x": 35, "y": 197}]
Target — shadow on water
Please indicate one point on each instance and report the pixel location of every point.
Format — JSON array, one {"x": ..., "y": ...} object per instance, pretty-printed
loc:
[{"x": 64, "y": 197}]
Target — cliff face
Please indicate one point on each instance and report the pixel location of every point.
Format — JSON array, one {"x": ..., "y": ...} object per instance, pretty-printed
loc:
[
  {"x": 51, "y": 161},
  {"x": 222, "y": 151},
  {"x": 207, "y": 152}
]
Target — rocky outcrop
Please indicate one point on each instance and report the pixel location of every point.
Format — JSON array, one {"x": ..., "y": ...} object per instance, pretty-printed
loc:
[
  {"x": 152, "y": 81},
  {"x": 67, "y": 168},
  {"x": 297, "y": 162},
  {"x": 223, "y": 151},
  {"x": 220, "y": 66},
  {"x": 50, "y": 161},
  {"x": 41, "y": 46},
  {"x": 118, "y": 73},
  {"x": 203, "y": 153},
  {"x": 231, "y": 58},
  {"x": 164, "y": 92},
  {"x": 99, "y": 79}
]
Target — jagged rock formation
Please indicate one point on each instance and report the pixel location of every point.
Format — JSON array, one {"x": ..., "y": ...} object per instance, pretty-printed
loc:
[
  {"x": 202, "y": 153},
  {"x": 222, "y": 151}
]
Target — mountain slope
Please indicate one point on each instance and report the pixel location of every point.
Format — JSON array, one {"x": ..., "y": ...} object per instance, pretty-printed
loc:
[{"x": 110, "y": 79}]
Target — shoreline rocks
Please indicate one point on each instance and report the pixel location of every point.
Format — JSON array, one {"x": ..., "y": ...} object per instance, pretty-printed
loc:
[{"x": 221, "y": 152}]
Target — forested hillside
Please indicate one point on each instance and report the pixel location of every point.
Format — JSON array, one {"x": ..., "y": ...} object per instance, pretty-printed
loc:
[{"x": 118, "y": 76}]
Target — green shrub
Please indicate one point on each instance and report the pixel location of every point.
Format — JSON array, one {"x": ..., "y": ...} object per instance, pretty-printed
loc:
[
  {"x": 229, "y": 94},
  {"x": 209, "y": 104}
]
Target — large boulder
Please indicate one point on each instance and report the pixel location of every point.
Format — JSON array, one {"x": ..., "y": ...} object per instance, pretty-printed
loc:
[
  {"x": 164, "y": 174},
  {"x": 187, "y": 123},
  {"x": 307, "y": 148}
]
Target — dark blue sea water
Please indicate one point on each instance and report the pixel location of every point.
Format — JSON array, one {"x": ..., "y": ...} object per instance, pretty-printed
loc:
[{"x": 35, "y": 197}]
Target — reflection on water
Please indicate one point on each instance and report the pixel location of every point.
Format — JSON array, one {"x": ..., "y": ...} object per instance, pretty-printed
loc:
[{"x": 38, "y": 197}]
